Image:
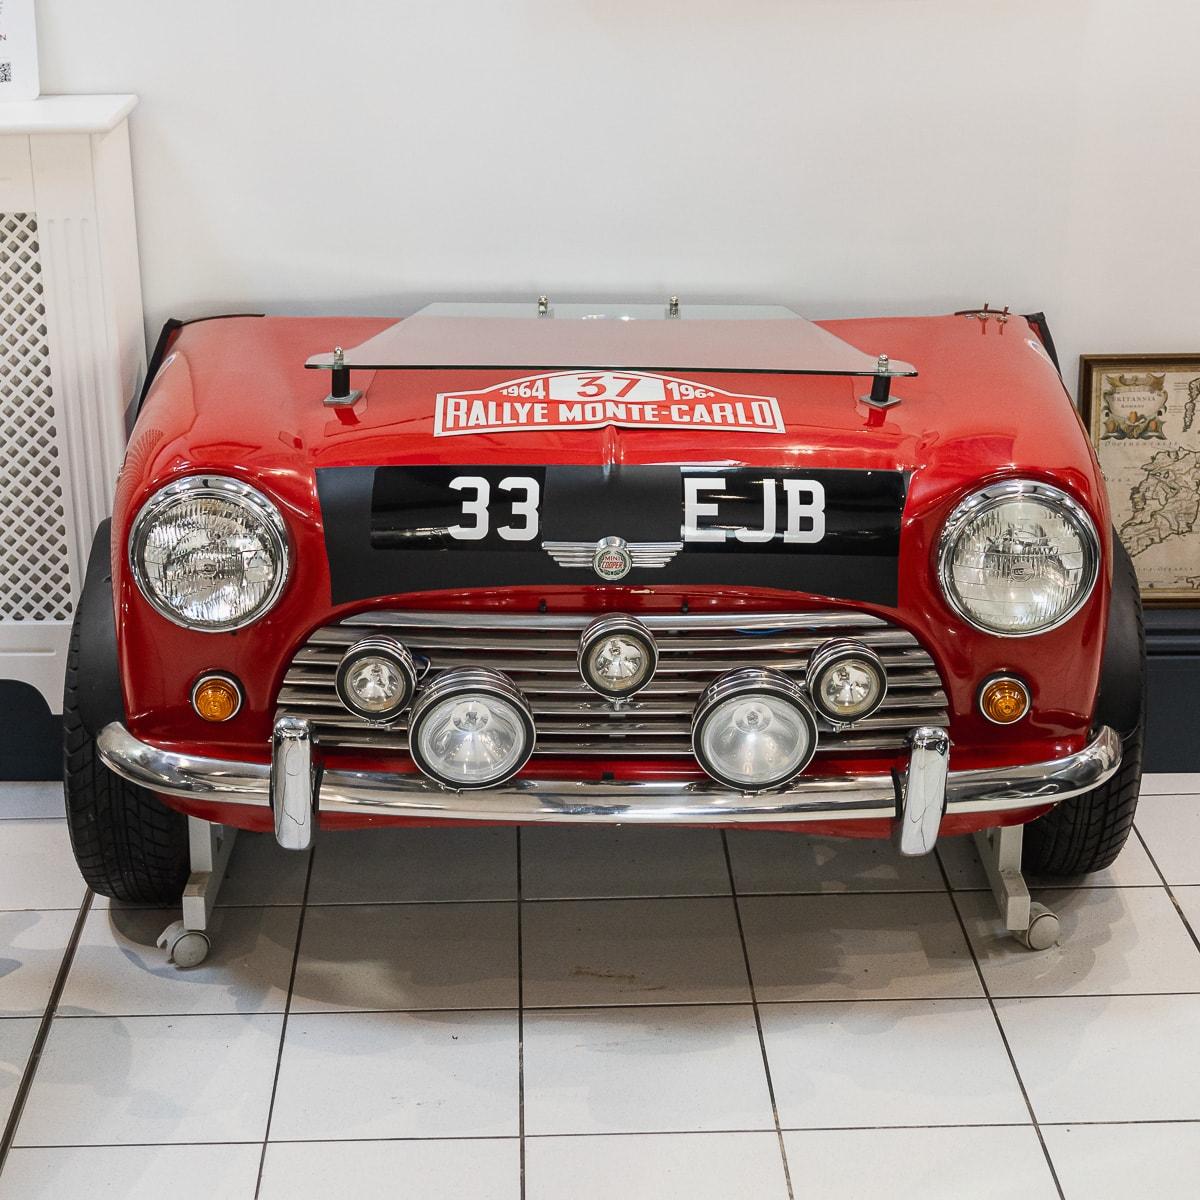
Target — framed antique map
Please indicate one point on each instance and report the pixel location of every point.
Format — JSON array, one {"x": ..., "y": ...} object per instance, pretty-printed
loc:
[{"x": 1143, "y": 414}]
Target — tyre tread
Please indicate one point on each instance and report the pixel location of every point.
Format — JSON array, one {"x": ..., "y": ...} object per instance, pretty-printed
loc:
[
  {"x": 129, "y": 846},
  {"x": 1086, "y": 833}
]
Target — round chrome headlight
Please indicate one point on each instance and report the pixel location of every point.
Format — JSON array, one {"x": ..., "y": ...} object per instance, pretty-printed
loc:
[
  {"x": 1018, "y": 558},
  {"x": 617, "y": 656},
  {"x": 753, "y": 730},
  {"x": 209, "y": 553},
  {"x": 471, "y": 728},
  {"x": 846, "y": 681},
  {"x": 376, "y": 679}
]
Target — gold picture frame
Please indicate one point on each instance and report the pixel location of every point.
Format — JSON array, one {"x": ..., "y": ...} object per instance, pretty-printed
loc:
[{"x": 1142, "y": 412}]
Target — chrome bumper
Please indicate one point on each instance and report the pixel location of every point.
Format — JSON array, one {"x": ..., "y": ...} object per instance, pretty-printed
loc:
[{"x": 918, "y": 797}]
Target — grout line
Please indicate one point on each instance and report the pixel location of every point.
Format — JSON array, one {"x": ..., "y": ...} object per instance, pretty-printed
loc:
[
  {"x": 1056, "y": 885},
  {"x": 266, "y": 1140},
  {"x": 697, "y": 1133},
  {"x": 1004, "y": 1038},
  {"x": 520, "y": 1021},
  {"x": 762, "y": 1043},
  {"x": 598, "y": 1007},
  {"x": 1192, "y": 933},
  {"x": 43, "y": 1032}
]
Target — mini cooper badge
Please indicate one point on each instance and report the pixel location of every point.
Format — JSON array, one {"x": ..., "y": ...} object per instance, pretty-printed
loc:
[{"x": 612, "y": 558}]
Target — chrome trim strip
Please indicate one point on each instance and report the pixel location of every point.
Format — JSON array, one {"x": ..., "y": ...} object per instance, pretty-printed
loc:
[
  {"x": 497, "y": 620},
  {"x": 701, "y": 802}
]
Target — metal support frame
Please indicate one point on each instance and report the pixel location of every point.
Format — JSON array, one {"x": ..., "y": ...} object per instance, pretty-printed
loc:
[
  {"x": 1032, "y": 924},
  {"x": 187, "y": 941}
]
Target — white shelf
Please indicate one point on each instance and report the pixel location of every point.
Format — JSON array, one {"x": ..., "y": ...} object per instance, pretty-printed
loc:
[{"x": 65, "y": 114}]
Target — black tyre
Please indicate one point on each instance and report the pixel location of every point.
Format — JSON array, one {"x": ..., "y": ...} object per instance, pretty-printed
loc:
[
  {"x": 128, "y": 844},
  {"x": 1088, "y": 832}
]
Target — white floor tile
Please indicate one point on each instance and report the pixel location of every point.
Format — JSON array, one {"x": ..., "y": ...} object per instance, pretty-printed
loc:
[
  {"x": 120, "y": 971},
  {"x": 1116, "y": 1162},
  {"x": 37, "y": 869},
  {"x": 390, "y": 1075},
  {"x": 1133, "y": 868},
  {"x": 574, "y": 862},
  {"x": 673, "y": 951},
  {"x": 379, "y": 866},
  {"x": 1189, "y": 902},
  {"x": 260, "y": 871},
  {"x": 393, "y": 956},
  {"x": 1113, "y": 940},
  {"x": 857, "y": 947},
  {"x": 131, "y": 1080},
  {"x": 132, "y": 1173},
  {"x": 1163, "y": 783},
  {"x": 644, "y": 1070},
  {"x": 17, "y": 1036},
  {"x": 481, "y": 1169},
  {"x": 684, "y": 1166},
  {"x": 1170, "y": 826},
  {"x": 920, "y": 1164},
  {"x": 25, "y": 801},
  {"x": 932, "y": 1062},
  {"x": 32, "y": 945},
  {"x": 792, "y": 862},
  {"x": 1107, "y": 1058}
]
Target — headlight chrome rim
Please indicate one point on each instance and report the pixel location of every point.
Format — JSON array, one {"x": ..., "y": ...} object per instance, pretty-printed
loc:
[
  {"x": 399, "y": 656},
  {"x": 200, "y": 487},
  {"x": 982, "y": 501},
  {"x": 465, "y": 681},
  {"x": 747, "y": 682},
  {"x": 617, "y": 625},
  {"x": 828, "y": 655}
]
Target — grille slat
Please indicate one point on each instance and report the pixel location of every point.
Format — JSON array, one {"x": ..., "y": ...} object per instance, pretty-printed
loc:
[{"x": 538, "y": 652}]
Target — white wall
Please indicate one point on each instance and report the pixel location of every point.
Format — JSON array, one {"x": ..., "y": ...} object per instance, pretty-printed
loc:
[{"x": 843, "y": 156}]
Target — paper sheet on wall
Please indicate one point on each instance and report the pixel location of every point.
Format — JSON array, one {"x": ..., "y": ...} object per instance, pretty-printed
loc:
[{"x": 18, "y": 51}]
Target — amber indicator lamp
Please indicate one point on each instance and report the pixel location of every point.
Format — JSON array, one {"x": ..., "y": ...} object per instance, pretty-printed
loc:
[
  {"x": 216, "y": 697},
  {"x": 1004, "y": 700}
]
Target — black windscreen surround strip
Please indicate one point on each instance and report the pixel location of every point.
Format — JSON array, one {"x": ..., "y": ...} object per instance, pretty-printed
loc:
[{"x": 390, "y": 530}]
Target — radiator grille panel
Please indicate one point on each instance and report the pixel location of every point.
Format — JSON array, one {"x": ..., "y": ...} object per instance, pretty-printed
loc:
[
  {"x": 538, "y": 654},
  {"x": 35, "y": 576}
]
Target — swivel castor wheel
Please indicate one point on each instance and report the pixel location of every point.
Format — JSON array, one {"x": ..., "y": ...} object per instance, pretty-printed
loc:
[
  {"x": 1043, "y": 929},
  {"x": 184, "y": 947}
]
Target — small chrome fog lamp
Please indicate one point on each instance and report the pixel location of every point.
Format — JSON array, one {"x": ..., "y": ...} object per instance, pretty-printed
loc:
[
  {"x": 471, "y": 728},
  {"x": 846, "y": 681},
  {"x": 376, "y": 679},
  {"x": 617, "y": 656},
  {"x": 753, "y": 730}
]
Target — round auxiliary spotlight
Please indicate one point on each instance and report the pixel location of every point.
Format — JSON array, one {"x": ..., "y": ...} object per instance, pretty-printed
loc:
[
  {"x": 753, "y": 730},
  {"x": 847, "y": 681},
  {"x": 471, "y": 728},
  {"x": 376, "y": 679},
  {"x": 617, "y": 656}
]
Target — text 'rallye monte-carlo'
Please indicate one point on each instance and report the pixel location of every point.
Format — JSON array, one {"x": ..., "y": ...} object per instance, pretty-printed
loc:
[{"x": 705, "y": 566}]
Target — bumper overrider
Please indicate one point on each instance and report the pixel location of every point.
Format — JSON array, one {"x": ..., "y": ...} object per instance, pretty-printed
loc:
[{"x": 297, "y": 790}]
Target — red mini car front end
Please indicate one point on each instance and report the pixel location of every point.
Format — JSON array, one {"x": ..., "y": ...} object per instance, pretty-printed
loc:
[{"x": 724, "y": 569}]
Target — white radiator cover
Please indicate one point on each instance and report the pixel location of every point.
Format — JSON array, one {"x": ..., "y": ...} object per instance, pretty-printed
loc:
[{"x": 72, "y": 358}]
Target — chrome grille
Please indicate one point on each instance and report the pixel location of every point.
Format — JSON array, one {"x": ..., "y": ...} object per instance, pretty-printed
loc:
[{"x": 537, "y": 652}]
